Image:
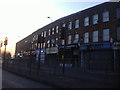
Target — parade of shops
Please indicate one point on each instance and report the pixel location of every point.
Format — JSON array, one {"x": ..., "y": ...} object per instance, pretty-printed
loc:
[{"x": 88, "y": 40}]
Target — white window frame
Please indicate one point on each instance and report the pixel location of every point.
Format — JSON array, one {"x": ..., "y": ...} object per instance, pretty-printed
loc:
[
  {"x": 77, "y": 23},
  {"x": 106, "y": 16},
  {"x": 86, "y": 37},
  {"x": 95, "y": 19},
  {"x": 106, "y": 35},
  {"x": 86, "y": 21},
  {"x": 95, "y": 36}
]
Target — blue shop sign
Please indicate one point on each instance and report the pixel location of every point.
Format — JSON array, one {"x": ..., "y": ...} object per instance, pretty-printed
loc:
[
  {"x": 60, "y": 47},
  {"x": 104, "y": 46},
  {"x": 70, "y": 46},
  {"x": 83, "y": 47},
  {"x": 96, "y": 46}
]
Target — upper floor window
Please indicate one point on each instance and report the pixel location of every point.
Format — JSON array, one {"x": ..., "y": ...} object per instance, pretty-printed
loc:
[
  {"x": 118, "y": 33},
  {"x": 63, "y": 42},
  {"x": 48, "y": 42},
  {"x": 35, "y": 38},
  {"x": 105, "y": 16},
  {"x": 52, "y": 31},
  {"x": 56, "y": 40},
  {"x": 49, "y": 32},
  {"x": 70, "y": 25},
  {"x": 95, "y": 36},
  {"x": 118, "y": 13},
  {"x": 57, "y": 29},
  {"x": 64, "y": 25},
  {"x": 77, "y": 24},
  {"x": 44, "y": 33},
  {"x": 53, "y": 41},
  {"x": 106, "y": 35},
  {"x": 86, "y": 21},
  {"x": 43, "y": 45},
  {"x": 95, "y": 19},
  {"x": 76, "y": 38},
  {"x": 86, "y": 37},
  {"x": 69, "y": 39}
]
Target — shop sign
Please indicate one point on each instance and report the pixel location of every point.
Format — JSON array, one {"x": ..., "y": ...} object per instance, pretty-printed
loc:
[
  {"x": 102, "y": 46},
  {"x": 60, "y": 47},
  {"x": 27, "y": 53},
  {"x": 70, "y": 46},
  {"x": 83, "y": 47},
  {"x": 116, "y": 43},
  {"x": 47, "y": 50},
  {"x": 96, "y": 46},
  {"x": 52, "y": 50}
]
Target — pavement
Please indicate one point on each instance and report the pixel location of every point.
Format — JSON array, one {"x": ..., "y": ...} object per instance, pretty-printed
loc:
[{"x": 70, "y": 79}]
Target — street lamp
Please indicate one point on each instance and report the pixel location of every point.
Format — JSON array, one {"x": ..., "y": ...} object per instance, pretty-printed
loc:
[
  {"x": 0, "y": 47},
  {"x": 5, "y": 43}
]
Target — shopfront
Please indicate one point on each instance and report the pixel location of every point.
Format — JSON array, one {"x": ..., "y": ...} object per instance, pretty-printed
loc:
[
  {"x": 97, "y": 57},
  {"x": 71, "y": 55}
]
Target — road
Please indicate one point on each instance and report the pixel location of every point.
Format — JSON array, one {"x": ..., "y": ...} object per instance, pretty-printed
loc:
[{"x": 10, "y": 80}]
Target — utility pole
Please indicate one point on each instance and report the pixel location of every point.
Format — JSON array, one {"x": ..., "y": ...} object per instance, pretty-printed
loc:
[
  {"x": 40, "y": 40},
  {"x": 63, "y": 37}
]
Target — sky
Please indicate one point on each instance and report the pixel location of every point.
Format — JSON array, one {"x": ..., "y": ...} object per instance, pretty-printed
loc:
[{"x": 20, "y": 18}]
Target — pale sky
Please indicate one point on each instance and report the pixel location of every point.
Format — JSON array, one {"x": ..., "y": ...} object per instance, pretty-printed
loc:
[{"x": 19, "y": 18}]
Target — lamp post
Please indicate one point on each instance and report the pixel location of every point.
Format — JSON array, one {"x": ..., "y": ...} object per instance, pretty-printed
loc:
[
  {"x": 5, "y": 43},
  {"x": 50, "y": 18},
  {"x": 49, "y": 46},
  {"x": 0, "y": 47}
]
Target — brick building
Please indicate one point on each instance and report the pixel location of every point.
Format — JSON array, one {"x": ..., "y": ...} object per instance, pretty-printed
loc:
[{"x": 92, "y": 39}]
